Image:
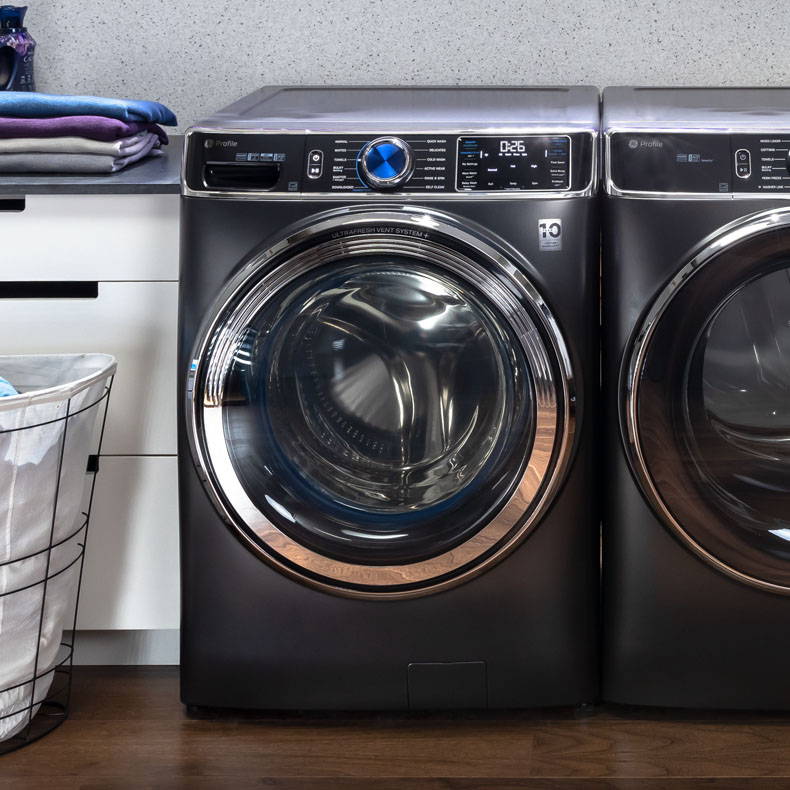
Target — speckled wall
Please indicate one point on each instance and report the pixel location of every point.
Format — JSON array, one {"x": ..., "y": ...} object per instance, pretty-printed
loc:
[{"x": 197, "y": 56}]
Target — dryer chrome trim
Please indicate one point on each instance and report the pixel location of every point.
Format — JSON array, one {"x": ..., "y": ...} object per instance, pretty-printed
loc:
[
  {"x": 588, "y": 190},
  {"x": 633, "y": 363},
  {"x": 610, "y": 188},
  {"x": 546, "y": 461}
]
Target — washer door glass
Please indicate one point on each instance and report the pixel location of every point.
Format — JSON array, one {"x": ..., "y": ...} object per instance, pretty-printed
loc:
[
  {"x": 714, "y": 409},
  {"x": 381, "y": 408},
  {"x": 377, "y": 406}
]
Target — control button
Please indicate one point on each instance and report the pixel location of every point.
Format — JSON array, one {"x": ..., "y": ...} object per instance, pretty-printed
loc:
[
  {"x": 386, "y": 163},
  {"x": 315, "y": 164},
  {"x": 743, "y": 163}
]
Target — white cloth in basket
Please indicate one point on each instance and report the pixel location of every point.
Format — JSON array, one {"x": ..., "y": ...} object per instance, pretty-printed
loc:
[{"x": 34, "y": 434}]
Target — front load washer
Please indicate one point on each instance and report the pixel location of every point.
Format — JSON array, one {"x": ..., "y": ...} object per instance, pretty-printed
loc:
[
  {"x": 696, "y": 283},
  {"x": 389, "y": 359}
]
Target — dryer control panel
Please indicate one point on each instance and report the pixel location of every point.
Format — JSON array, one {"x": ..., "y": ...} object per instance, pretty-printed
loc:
[
  {"x": 368, "y": 164},
  {"x": 700, "y": 163}
]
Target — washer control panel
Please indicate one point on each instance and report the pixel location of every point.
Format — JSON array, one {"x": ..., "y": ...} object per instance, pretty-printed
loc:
[
  {"x": 372, "y": 163},
  {"x": 359, "y": 163},
  {"x": 700, "y": 163}
]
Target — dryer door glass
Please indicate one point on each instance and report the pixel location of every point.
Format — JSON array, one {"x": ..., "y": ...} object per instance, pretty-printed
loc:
[
  {"x": 714, "y": 408},
  {"x": 378, "y": 412}
]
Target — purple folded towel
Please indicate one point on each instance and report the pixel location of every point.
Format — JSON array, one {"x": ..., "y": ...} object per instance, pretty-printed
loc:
[{"x": 94, "y": 127}]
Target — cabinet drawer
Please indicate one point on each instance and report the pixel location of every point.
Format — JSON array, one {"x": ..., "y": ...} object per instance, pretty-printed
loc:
[
  {"x": 137, "y": 323},
  {"x": 131, "y": 578},
  {"x": 91, "y": 237}
]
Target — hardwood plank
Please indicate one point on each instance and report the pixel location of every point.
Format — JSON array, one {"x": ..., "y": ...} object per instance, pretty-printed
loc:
[
  {"x": 333, "y": 783},
  {"x": 612, "y": 747},
  {"x": 128, "y": 729}
]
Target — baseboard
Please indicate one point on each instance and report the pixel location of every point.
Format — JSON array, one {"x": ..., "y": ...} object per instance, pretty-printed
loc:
[{"x": 126, "y": 648}]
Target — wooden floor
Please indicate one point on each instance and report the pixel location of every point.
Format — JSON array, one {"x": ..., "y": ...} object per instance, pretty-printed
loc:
[{"x": 127, "y": 729}]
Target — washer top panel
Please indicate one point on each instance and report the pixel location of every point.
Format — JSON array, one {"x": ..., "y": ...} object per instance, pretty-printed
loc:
[
  {"x": 397, "y": 142},
  {"x": 327, "y": 109},
  {"x": 703, "y": 109}
]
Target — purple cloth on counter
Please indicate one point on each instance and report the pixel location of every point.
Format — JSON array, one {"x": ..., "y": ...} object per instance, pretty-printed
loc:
[{"x": 94, "y": 127}]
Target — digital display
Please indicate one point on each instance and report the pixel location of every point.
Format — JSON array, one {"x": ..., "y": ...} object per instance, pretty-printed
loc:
[{"x": 530, "y": 162}]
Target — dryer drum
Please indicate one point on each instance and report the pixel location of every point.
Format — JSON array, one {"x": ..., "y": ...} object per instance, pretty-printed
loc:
[
  {"x": 381, "y": 402},
  {"x": 707, "y": 402}
]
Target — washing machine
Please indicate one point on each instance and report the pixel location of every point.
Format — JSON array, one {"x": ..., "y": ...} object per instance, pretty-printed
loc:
[
  {"x": 696, "y": 306},
  {"x": 388, "y": 361}
]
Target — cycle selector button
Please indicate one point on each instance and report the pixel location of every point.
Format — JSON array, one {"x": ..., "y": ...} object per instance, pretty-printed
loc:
[
  {"x": 386, "y": 163},
  {"x": 743, "y": 163},
  {"x": 315, "y": 164}
]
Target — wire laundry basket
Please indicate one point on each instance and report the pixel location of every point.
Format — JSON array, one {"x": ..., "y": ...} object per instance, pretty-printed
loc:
[{"x": 50, "y": 439}]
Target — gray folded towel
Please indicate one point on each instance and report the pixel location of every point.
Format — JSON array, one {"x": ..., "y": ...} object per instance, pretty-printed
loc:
[
  {"x": 57, "y": 162},
  {"x": 125, "y": 146}
]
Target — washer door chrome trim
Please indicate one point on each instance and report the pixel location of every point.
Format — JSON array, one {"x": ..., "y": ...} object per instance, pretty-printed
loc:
[
  {"x": 544, "y": 348},
  {"x": 631, "y": 374}
]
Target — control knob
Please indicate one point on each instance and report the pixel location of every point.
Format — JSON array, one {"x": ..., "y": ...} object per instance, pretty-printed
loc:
[{"x": 386, "y": 163}]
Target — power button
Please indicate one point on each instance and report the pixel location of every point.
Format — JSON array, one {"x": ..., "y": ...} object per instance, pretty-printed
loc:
[
  {"x": 315, "y": 163},
  {"x": 743, "y": 163}
]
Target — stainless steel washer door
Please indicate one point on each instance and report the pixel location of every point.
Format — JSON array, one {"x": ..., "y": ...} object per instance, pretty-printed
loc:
[{"x": 380, "y": 402}]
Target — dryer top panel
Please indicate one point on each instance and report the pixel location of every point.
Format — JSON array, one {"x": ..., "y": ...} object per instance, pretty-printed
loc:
[
  {"x": 700, "y": 109},
  {"x": 330, "y": 109}
]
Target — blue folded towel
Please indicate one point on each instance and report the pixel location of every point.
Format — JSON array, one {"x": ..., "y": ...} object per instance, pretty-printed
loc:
[
  {"x": 6, "y": 388},
  {"x": 25, "y": 104}
]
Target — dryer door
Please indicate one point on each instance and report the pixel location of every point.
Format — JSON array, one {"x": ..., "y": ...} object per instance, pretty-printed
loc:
[
  {"x": 380, "y": 404},
  {"x": 707, "y": 402}
]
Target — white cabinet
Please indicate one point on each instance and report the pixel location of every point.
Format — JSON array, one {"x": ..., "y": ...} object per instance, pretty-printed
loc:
[
  {"x": 91, "y": 237},
  {"x": 128, "y": 245},
  {"x": 137, "y": 322},
  {"x": 131, "y": 578}
]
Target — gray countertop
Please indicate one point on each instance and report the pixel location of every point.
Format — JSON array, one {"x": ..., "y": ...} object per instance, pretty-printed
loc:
[{"x": 154, "y": 175}]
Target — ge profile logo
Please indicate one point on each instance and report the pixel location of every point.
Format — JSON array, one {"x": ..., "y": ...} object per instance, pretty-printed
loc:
[
  {"x": 209, "y": 143},
  {"x": 632, "y": 143}
]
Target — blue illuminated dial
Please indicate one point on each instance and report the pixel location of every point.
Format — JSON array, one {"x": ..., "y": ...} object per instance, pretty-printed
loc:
[{"x": 386, "y": 163}]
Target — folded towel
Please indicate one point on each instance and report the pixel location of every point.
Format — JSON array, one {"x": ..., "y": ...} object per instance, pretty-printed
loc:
[
  {"x": 7, "y": 389},
  {"x": 27, "y": 104},
  {"x": 75, "y": 163},
  {"x": 94, "y": 127},
  {"x": 126, "y": 146}
]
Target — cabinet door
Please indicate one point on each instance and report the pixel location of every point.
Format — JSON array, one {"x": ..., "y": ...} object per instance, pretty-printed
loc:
[
  {"x": 137, "y": 323},
  {"x": 131, "y": 578},
  {"x": 91, "y": 237}
]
